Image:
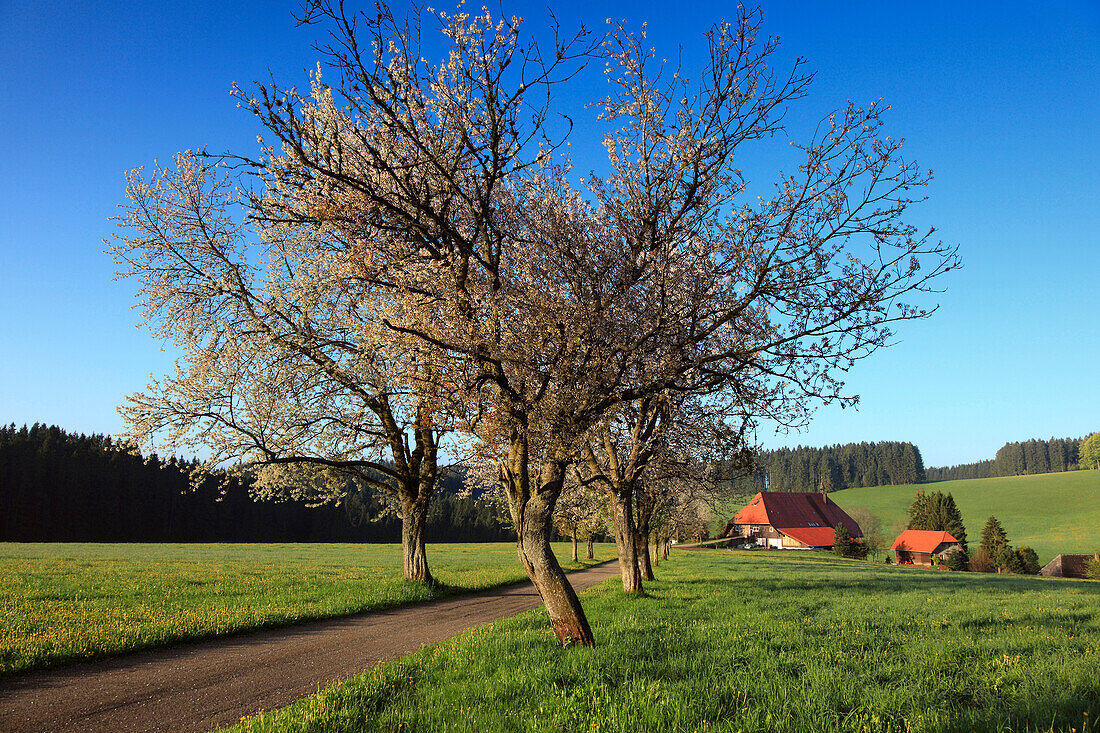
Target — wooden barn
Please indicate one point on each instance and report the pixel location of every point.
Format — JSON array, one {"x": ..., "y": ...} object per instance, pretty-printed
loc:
[
  {"x": 919, "y": 546},
  {"x": 1068, "y": 566},
  {"x": 790, "y": 521}
]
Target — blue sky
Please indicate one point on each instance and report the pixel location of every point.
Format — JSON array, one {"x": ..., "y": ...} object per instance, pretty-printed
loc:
[{"x": 1000, "y": 100}]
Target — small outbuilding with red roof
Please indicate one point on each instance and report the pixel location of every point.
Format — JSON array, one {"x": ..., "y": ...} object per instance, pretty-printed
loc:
[
  {"x": 919, "y": 546},
  {"x": 791, "y": 521}
]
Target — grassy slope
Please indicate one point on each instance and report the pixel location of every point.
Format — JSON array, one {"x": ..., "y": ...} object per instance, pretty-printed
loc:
[
  {"x": 67, "y": 602},
  {"x": 1053, "y": 512},
  {"x": 754, "y": 642}
]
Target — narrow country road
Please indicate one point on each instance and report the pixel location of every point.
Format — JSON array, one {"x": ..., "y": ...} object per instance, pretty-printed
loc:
[{"x": 196, "y": 687}]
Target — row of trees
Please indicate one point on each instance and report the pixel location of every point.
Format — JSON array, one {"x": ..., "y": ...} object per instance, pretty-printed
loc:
[
  {"x": 834, "y": 467},
  {"x": 56, "y": 486},
  {"x": 1020, "y": 458},
  {"x": 418, "y": 265}
]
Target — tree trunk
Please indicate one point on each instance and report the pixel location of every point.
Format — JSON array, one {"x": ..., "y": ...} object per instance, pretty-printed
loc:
[
  {"x": 624, "y": 542},
  {"x": 591, "y": 549},
  {"x": 655, "y": 549},
  {"x": 641, "y": 540},
  {"x": 535, "y": 514},
  {"x": 645, "y": 567},
  {"x": 575, "y": 546},
  {"x": 417, "y": 469},
  {"x": 664, "y": 547},
  {"x": 413, "y": 548}
]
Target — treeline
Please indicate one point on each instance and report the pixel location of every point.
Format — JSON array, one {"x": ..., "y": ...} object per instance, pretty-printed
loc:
[
  {"x": 1017, "y": 459},
  {"x": 834, "y": 467},
  {"x": 57, "y": 486}
]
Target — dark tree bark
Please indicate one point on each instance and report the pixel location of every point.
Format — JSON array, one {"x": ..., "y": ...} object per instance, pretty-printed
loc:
[
  {"x": 641, "y": 545},
  {"x": 620, "y": 476},
  {"x": 531, "y": 501},
  {"x": 591, "y": 550},
  {"x": 625, "y": 541},
  {"x": 641, "y": 536},
  {"x": 535, "y": 528},
  {"x": 413, "y": 548},
  {"x": 417, "y": 470}
]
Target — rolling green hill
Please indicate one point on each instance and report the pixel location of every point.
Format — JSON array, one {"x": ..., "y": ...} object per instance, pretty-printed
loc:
[{"x": 1051, "y": 512}]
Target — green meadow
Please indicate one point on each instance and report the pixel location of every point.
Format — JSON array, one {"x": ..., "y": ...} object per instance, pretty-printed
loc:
[
  {"x": 760, "y": 641},
  {"x": 1051, "y": 512},
  {"x": 68, "y": 602}
]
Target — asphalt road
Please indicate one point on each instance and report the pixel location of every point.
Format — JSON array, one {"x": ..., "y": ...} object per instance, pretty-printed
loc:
[{"x": 197, "y": 687}]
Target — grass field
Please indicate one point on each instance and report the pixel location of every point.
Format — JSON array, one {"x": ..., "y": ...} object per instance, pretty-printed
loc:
[
  {"x": 754, "y": 642},
  {"x": 68, "y": 602},
  {"x": 1051, "y": 512}
]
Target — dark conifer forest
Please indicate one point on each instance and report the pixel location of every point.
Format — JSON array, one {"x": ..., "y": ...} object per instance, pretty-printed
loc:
[
  {"x": 835, "y": 467},
  {"x": 1017, "y": 459},
  {"x": 57, "y": 486},
  {"x": 885, "y": 463}
]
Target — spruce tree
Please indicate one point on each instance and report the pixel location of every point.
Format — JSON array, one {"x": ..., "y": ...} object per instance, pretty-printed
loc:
[
  {"x": 918, "y": 511},
  {"x": 994, "y": 538},
  {"x": 995, "y": 546},
  {"x": 953, "y": 523},
  {"x": 842, "y": 541}
]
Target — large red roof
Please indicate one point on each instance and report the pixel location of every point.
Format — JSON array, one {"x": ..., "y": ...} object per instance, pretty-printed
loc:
[
  {"x": 812, "y": 536},
  {"x": 790, "y": 510},
  {"x": 921, "y": 540}
]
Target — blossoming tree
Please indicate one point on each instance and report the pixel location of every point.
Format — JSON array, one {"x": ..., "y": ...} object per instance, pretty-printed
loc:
[{"x": 544, "y": 303}]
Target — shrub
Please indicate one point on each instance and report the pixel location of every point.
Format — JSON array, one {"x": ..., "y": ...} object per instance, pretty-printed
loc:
[
  {"x": 957, "y": 560},
  {"x": 858, "y": 550},
  {"x": 1092, "y": 568},
  {"x": 981, "y": 562},
  {"x": 1029, "y": 561},
  {"x": 889, "y": 560}
]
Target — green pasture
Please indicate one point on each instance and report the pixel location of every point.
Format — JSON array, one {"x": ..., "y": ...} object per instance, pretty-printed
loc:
[
  {"x": 67, "y": 602},
  {"x": 1051, "y": 512},
  {"x": 759, "y": 641}
]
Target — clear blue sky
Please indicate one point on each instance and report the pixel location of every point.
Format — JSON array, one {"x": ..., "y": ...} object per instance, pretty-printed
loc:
[{"x": 1001, "y": 100}]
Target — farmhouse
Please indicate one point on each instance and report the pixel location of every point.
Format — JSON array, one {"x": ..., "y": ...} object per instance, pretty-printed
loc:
[
  {"x": 919, "y": 546},
  {"x": 790, "y": 521},
  {"x": 1067, "y": 566}
]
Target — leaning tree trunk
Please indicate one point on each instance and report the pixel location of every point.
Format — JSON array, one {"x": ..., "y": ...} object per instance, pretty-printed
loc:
[
  {"x": 533, "y": 515},
  {"x": 413, "y": 522},
  {"x": 623, "y": 516},
  {"x": 591, "y": 549}
]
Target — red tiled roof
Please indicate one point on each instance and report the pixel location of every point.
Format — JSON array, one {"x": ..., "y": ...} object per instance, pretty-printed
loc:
[
  {"x": 921, "y": 540},
  {"x": 812, "y": 536},
  {"x": 796, "y": 509}
]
